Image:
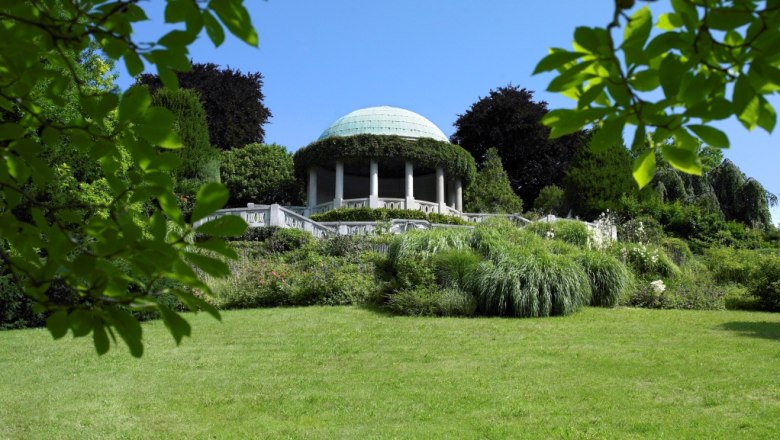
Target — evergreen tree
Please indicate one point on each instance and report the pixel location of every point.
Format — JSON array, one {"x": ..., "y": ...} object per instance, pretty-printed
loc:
[
  {"x": 199, "y": 160},
  {"x": 491, "y": 191},
  {"x": 596, "y": 181}
]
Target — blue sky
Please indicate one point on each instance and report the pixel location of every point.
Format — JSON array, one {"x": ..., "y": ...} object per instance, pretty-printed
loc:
[{"x": 323, "y": 59}]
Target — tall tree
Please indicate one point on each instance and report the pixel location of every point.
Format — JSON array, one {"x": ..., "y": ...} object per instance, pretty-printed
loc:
[
  {"x": 596, "y": 180},
  {"x": 508, "y": 119},
  {"x": 233, "y": 102},
  {"x": 491, "y": 191},
  {"x": 741, "y": 198}
]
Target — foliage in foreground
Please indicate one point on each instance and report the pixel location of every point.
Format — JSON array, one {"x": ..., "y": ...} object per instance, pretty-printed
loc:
[
  {"x": 115, "y": 262},
  {"x": 711, "y": 61}
]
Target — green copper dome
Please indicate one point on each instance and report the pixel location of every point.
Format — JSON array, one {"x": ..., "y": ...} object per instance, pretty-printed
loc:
[{"x": 384, "y": 120}]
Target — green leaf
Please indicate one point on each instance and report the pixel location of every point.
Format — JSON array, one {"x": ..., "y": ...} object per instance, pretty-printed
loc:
[
  {"x": 156, "y": 126},
  {"x": 57, "y": 324},
  {"x": 670, "y": 75},
  {"x": 711, "y": 109},
  {"x": 236, "y": 19},
  {"x": 80, "y": 322},
  {"x": 211, "y": 197},
  {"x": 213, "y": 29},
  {"x": 636, "y": 33},
  {"x": 129, "y": 330},
  {"x": 725, "y": 19},
  {"x": 211, "y": 266},
  {"x": 644, "y": 168},
  {"x": 135, "y": 101},
  {"x": 168, "y": 77},
  {"x": 710, "y": 135},
  {"x": 565, "y": 121},
  {"x": 682, "y": 159},
  {"x": 669, "y": 22},
  {"x": 609, "y": 134},
  {"x": 99, "y": 336},
  {"x": 175, "y": 323},
  {"x": 225, "y": 226},
  {"x": 767, "y": 118},
  {"x": 177, "y": 39},
  {"x": 10, "y": 130},
  {"x": 645, "y": 80},
  {"x": 587, "y": 38}
]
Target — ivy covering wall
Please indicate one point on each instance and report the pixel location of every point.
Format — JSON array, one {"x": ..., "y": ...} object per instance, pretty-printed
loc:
[{"x": 423, "y": 153}]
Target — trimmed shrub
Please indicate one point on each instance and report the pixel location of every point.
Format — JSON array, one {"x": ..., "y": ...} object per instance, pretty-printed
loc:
[
  {"x": 609, "y": 279},
  {"x": 550, "y": 200},
  {"x": 261, "y": 174},
  {"x": 384, "y": 214}
]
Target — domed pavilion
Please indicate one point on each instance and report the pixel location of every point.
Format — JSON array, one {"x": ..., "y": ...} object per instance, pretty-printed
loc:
[{"x": 384, "y": 157}]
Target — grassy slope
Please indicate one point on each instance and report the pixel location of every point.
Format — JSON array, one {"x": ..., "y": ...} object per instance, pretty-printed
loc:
[{"x": 345, "y": 372}]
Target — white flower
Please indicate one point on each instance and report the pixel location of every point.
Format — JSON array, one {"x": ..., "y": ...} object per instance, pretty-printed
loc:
[
  {"x": 550, "y": 235},
  {"x": 658, "y": 286}
]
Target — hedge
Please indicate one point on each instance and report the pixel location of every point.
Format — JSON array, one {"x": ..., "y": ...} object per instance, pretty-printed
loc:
[
  {"x": 425, "y": 152},
  {"x": 383, "y": 214}
]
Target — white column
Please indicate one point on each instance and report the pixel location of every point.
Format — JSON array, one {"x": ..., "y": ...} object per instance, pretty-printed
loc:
[
  {"x": 440, "y": 190},
  {"x": 459, "y": 194},
  {"x": 373, "y": 197},
  {"x": 311, "y": 196},
  {"x": 338, "y": 198},
  {"x": 410, "y": 203}
]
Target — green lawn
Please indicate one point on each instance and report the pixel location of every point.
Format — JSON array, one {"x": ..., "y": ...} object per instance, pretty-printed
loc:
[{"x": 351, "y": 373}]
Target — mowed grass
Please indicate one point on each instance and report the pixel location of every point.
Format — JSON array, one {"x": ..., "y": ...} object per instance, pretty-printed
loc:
[{"x": 342, "y": 372}]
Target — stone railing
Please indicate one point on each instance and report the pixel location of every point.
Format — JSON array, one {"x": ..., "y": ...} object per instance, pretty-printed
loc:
[
  {"x": 427, "y": 207},
  {"x": 323, "y": 207},
  {"x": 355, "y": 203},
  {"x": 257, "y": 216},
  {"x": 392, "y": 203}
]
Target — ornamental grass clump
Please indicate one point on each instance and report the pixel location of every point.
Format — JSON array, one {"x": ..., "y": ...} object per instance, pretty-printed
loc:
[
  {"x": 530, "y": 283},
  {"x": 424, "y": 243},
  {"x": 569, "y": 231},
  {"x": 609, "y": 278}
]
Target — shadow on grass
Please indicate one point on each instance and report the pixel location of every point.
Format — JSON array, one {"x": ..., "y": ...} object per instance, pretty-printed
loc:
[{"x": 764, "y": 330}]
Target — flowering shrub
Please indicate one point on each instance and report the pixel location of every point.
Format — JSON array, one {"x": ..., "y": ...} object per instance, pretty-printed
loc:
[{"x": 645, "y": 260}]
